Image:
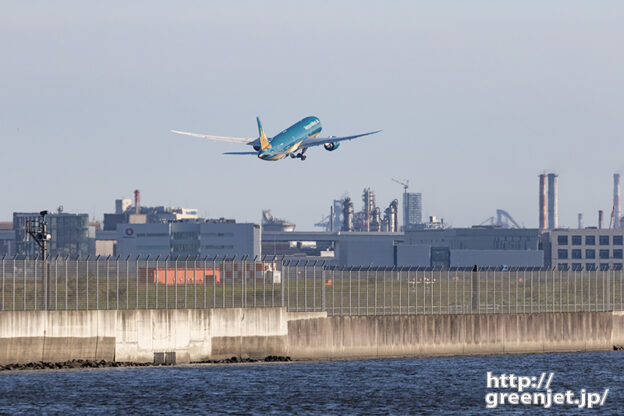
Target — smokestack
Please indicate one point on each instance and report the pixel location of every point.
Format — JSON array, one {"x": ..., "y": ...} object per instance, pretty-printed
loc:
[
  {"x": 395, "y": 208},
  {"x": 542, "y": 201},
  {"x": 616, "y": 200},
  {"x": 580, "y": 220},
  {"x": 600, "y": 218},
  {"x": 553, "y": 196},
  {"x": 347, "y": 207},
  {"x": 137, "y": 201}
]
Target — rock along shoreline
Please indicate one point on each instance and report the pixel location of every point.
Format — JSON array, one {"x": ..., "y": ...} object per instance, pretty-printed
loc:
[{"x": 76, "y": 364}]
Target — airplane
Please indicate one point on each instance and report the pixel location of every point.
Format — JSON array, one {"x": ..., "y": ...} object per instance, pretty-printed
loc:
[{"x": 293, "y": 142}]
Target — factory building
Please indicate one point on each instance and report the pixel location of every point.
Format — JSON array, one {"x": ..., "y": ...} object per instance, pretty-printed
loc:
[
  {"x": 483, "y": 246},
  {"x": 126, "y": 213},
  {"x": 584, "y": 249},
  {"x": 193, "y": 238},
  {"x": 70, "y": 235},
  {"x": 7, "y": 239}
]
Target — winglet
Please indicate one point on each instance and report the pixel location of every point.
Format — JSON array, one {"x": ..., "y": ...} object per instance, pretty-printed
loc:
[{"x": 264, "y": 142}]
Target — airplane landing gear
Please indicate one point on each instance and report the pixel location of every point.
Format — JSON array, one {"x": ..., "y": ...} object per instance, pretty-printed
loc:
[{"x": 301, "y": 156}]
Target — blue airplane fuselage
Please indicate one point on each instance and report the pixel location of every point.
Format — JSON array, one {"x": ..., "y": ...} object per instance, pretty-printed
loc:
[{"x": 289, "y": 140}]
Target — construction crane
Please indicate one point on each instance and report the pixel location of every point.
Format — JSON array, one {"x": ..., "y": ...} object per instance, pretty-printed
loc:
[{"x": 405, "y": 184}]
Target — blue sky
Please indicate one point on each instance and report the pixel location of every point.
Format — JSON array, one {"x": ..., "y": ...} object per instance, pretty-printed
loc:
[{"x": 475, "y": 100}]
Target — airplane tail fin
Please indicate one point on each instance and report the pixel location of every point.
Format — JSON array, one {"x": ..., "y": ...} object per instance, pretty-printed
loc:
[{"x": 264, "y": 142}]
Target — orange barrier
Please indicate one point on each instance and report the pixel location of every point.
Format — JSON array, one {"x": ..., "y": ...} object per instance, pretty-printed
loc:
[{"x": 181, "y": 275}]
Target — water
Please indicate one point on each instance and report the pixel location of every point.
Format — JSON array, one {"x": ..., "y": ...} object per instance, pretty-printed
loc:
[{"x": 451, "y": 385}]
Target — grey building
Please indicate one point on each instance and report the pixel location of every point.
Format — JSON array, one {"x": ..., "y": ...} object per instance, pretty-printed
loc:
[
  {"x": 584, "y": 249},
  {"x": 7, "y": 243},
  {"x": 483, "y": 246},
  {"x": 412, "y": 210},
  {"x": 486, "y": 246},
  {"x": 193, "y": 238},
  {"x": 70, "y": 235}
]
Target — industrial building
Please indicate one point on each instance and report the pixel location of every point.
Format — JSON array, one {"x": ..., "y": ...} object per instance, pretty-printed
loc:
[
  {"x": 192, "y": 238},
  {"x": 126, "y": 213},
  {"x": 584, "y": 249},
  {"x": 483, "y": 246},
  {"x": 70, "y": 235},
  {"x": 7, "y": 239},
  {"x": 343, "y": 217}
]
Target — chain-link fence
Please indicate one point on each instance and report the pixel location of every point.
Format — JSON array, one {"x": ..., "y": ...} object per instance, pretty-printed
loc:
[{"x": 113, "y": 283}]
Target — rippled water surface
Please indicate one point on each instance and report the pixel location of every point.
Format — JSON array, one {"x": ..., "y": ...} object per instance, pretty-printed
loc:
[{"x": 453, "y": 385}]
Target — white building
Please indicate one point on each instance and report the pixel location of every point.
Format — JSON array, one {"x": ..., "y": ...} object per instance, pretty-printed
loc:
[{"x": 222, "y": 238}]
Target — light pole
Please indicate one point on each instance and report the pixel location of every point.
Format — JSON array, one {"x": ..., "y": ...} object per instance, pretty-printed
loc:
[{"x": 38, "y": 230}]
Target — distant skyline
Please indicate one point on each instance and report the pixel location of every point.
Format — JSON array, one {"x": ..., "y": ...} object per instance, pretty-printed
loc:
[{"x": 475, "y": 100}]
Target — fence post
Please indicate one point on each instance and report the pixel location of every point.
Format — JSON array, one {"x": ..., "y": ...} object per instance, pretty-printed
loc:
[
  {"x": 305, "y": 286},
  {"x": 166, "y": 281},
  {"x": 35, "y": 271},
  {"x": 406, "y": 290},
  {"x": 155, "y": 274},
  {"x": 117, "y": 285},
  {"x": 392, "y": 289},
  {"x": 314, "y": 286},
  {"x": 400, "y": 290},
  {"x": 214, "y": 281},
  {"x": 14, "y": 282},
  {"x": 186, "y": 282},
  {"x": 333, "y": 274},
  {"x": 3, "y": 257},
  {"x": 384, "y": 290},
  {"x": 97, "y": 282},
  {"x": 283, "y": 280},
  {"x": 205, "y": 284},
  {"x": 323, "y": 287},
  {"x": 359, "y": 291},
  {"x": 107, "y": 279},
  {"x": 375, "y": 293},
  {"x": 475, "y": 290},
  {"x": 274, "y": 267},
  {"x": 195, "y": 281}
]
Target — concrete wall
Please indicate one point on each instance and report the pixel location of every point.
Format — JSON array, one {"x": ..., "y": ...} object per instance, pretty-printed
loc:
[
  {"x": 344, "y": 337},
  {"x": 209, "y": 334}
]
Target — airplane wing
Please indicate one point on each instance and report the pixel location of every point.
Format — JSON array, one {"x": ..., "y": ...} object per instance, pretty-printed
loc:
[
  {"x": 317, "y": 141},
  {"x": 220, "y": 138}
]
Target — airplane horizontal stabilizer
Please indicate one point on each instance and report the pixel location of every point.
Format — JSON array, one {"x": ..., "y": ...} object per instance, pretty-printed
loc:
[{"x": 220, "y": 138}]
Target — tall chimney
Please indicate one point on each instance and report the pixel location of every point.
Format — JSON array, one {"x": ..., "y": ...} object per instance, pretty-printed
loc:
[
  {"x": 600, "y": 219},
  {"x": 616, "y": 200},
  {"x": 542, "y": 201},
  {"x": 553, "y": 196},
  {"x": 137, "y": 201},
  {"x": 580, "y": 220}
]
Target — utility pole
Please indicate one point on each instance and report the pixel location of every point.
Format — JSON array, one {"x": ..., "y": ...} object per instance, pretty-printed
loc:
[{"x": 38, "y": 230}]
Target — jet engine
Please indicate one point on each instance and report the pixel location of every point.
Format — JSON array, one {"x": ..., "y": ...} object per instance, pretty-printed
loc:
[{"x": 331, "y": 146}]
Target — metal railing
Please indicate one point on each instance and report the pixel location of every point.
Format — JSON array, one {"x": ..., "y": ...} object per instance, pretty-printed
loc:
[{"x": 114, "y": 283}]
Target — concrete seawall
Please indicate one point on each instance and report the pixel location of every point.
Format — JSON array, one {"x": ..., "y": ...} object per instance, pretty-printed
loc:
[
  {"x": 345, "y": 337},
  {"x": 213, "y": 334}
]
